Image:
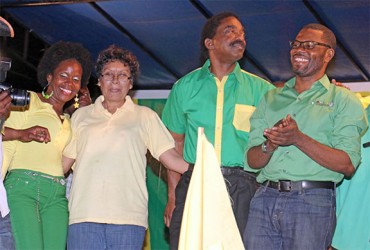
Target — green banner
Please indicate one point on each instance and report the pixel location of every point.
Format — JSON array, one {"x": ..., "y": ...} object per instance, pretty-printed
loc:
[{"x": 157, "y": 190}]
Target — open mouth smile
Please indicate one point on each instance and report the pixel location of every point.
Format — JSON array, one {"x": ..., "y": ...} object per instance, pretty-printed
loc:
[{"x": 66, "y": 91}]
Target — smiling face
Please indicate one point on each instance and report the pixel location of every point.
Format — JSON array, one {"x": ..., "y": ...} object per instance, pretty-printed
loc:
[
  {"x": 228, "y": 44},
  {"x": 115, "y": 90},
  {"x": 310, "y": 62},
  {"x": 65, "y": 81}
]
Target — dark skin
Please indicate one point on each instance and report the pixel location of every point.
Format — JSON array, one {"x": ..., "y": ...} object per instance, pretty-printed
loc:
[
  {"x": 39, "y": 133},
  {"x": 64, "y": 83},
  {"x": 173, "y": 179},
  {"x": 225, "y": 49},
  {"x": 36, "y": 133},
  {"x": 84, "y": 99},
  {"x": 5, "y": 105},
  {"x": 308, "y": 66}
]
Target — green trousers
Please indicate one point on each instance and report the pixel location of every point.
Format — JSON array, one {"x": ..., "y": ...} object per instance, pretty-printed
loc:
[{"x": 39, "y": 209}]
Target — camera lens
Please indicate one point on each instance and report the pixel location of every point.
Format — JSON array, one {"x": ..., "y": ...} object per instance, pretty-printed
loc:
[{"x": 20, "y": 97}]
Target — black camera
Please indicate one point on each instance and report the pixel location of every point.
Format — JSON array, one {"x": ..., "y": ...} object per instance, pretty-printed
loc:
[{"x": 20, "y": 97}]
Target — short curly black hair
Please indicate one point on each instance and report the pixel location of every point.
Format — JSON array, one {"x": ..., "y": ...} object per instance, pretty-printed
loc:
[
  {"x": 209, "y": 31},
  {"x": 115, "y": 53},
  {"x": 327, "y": 35},
  {"x": 59, "y": 52}
]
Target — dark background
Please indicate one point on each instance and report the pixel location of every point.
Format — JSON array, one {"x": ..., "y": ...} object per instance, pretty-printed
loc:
[{"x": 164, "y": 35}]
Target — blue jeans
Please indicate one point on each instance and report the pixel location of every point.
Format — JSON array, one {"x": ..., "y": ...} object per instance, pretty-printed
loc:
[
  {"x": 89, "y": 235},
  {"x": 6, "y": 237},
  {"x": 290, "y": 220}
]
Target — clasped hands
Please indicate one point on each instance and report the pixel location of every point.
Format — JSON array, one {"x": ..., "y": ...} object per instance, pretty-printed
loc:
[{"x": 284, "y": 133}]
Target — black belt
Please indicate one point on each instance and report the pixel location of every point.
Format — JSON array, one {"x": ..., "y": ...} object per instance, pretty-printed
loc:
[
  {"x": 287, "y": 186},
  {"x": 226, "y": 169}
]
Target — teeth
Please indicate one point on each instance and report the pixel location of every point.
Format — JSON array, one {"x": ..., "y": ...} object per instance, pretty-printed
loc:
[
  {"x": 300, "y": 59},
  {"x": 66, "y": 90},
  {"x": 238, "y": 45}
]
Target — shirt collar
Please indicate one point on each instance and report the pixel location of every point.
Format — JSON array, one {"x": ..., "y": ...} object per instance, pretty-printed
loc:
[
  {"x": 324, "y": 81},
  {"x": 128, "y": 105},
  {"x": 205, "y": 72}
]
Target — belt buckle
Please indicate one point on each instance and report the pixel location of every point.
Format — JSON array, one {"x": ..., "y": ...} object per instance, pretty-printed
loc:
[{"x": 285, "y": 186}]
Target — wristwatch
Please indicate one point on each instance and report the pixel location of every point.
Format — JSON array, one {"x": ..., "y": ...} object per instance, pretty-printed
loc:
[{"x": 264, "y": 148}]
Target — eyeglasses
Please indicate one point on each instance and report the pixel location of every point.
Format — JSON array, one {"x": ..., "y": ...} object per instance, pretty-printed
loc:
[
  {"x": 306, "y": 44},
  {"x": 122, "y": 78}
]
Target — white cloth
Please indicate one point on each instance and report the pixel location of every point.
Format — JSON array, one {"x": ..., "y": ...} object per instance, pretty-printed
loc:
[
  {"x": 208, "y": 221},
  {"x": 4, "y": 208}
]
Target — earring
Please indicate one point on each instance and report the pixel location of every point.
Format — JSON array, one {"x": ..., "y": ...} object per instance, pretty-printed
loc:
[
  {"x": 46, "y": 96},
  {"x": 76, "y": 104}
]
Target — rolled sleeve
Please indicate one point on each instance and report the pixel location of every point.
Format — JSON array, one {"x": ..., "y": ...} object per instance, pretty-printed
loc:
[{"x": 351, "y": 124}]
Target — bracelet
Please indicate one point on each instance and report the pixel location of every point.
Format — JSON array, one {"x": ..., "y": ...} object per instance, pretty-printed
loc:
[{"x": 264, "y": 148}]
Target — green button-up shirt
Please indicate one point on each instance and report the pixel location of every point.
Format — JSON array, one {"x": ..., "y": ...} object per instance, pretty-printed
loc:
[
  {"x": 222, "y": 108},
  {"x": 329, "y": 114}
]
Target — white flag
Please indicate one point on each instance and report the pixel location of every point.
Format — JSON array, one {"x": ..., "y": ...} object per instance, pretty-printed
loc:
[{"x": 208, "y": 221}]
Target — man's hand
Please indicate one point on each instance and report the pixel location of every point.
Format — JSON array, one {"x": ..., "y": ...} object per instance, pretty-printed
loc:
[
  {"x": 84, "y": 97},
  {"x": 285, "y": 134},
  {"x": 339, "y": 84},
  {"x": 83, "y": 100},
  {"x": 5, "y": 104},
  {"x": 173, "y": 179},
  {"x": 168, "y": 212}
]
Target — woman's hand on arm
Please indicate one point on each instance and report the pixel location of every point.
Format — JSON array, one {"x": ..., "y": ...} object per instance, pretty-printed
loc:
[{"x": 35, "y": 133}]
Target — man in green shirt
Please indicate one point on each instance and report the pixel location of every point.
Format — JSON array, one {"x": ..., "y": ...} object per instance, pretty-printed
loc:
[
  {"x": 353, "y": 201},
  {"x": 301, "y": 158},
  {"x": 220, "y": 97}
]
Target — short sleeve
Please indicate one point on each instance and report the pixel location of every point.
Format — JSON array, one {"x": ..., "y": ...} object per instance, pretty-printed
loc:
[
  {"x": 70, "y": 150},
  {"x": 173, "y": 116},
  {"x": 159, "y": 139}
]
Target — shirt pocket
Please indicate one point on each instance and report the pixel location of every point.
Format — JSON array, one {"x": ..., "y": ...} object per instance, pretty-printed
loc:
[{"x": 242, "y": 115}]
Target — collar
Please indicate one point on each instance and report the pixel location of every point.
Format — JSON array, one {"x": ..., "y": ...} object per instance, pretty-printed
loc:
[
  {"x": 205, "y": 72},
  {"x": 323, "y": 81},
  {"x": 128, "y": 105}
]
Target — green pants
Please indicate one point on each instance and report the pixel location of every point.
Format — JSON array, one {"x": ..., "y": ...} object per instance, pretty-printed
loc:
[{"x": 39, "y": 211}]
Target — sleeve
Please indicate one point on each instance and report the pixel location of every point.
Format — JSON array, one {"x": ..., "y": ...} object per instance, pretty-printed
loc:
[
  {"x": 70, "y": 150},
  {"x": 350, "y": 124},
  {"x": 159, "y": 139},
  {"x": 173, "y": 115}
]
